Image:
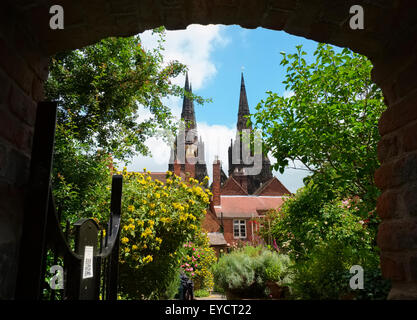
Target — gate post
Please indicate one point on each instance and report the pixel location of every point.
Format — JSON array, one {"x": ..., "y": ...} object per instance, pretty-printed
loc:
[
  {"x": 86, "y": 246},
  {"x": 30, "y": 278}
]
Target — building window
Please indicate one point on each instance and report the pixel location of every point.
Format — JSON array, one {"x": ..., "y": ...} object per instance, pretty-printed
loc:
[{"x": 239, "y": 229}]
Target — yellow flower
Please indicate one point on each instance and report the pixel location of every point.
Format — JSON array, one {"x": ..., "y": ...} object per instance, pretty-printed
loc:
[
  {"x": 165, "y": 220},
  {"x": 146, "y": 233},
  {"x": 158, "y": 240},
  {"x": 144, "y": 201},
  {"x": 157, "y": 195},
  {"x": 125, "y": 240},
  {"x": 147, "y": 259},
  {"x": 131, "y": 208},
  {"x": 140, "y": 223},
  {"x": 134, "y": 247}
]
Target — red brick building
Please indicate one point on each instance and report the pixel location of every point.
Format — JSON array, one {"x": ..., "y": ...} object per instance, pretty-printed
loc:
[{"x": 233, "y": 209}]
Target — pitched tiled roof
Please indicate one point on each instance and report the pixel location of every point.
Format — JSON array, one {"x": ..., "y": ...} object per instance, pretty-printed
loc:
[
  {"x": 216, "y": 239},
  {"x": 232, "y": 187},
  {"x": 273, "y": 187},
  {"x": 246, "y": 206}
]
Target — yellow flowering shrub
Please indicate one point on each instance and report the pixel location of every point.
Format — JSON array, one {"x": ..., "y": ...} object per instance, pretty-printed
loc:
[{"x": 157, "y": 219}]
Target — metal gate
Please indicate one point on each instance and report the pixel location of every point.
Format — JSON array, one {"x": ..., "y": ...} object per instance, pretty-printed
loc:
[{"x": 88, "y": 270}]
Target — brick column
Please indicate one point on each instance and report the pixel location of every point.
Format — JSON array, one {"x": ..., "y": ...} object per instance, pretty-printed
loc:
[
  {"x": 177, "y": 168},
  {"x": 23, "y": 68},
  {"x": 216, "y": 182},
  {"x": 190, "y": 169},
  {"x": 397, "y": 175}
]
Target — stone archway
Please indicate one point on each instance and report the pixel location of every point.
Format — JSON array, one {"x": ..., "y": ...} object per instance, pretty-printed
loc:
[{"x": 388, "y": 40}]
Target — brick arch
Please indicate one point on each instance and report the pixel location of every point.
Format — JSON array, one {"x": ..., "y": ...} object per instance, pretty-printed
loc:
[{"x": 388, "y": 40}]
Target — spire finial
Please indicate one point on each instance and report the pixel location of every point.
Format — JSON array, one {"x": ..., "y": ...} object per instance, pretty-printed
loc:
[
  {"x": 188, "y": 106},
  {"x": 187, "y": 87},
  {"x": 243, "y": 106}
]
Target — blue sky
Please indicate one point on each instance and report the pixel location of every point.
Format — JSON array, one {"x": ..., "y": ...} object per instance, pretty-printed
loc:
[
  {"x": 257, "y": 52},
  {"x": 216, "y": 55}
]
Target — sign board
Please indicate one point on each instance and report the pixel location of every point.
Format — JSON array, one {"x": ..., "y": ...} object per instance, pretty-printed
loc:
[{"x": 88, "y": 262}]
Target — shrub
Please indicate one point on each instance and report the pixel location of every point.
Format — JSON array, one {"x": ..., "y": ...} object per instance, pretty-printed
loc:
[
  {"x": 325, "y": 237},
  {"x": 197, "y": 258},
  {"x": 157, "y": 220},
  {"x": 309, "y": 218},
  {"x": 201, "y": 293},
  {"x": 325, "y": 275},
  {"x": 244, "y": 271}
]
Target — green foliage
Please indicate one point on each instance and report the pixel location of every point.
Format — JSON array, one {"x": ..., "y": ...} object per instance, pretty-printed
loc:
[
  {"x": 325, "y": 238},
  {"x": 81, "y": 180},
  {"x": 330, "y": 124},
  {"x": 101, "y": 88},
  {"x": 201, "y": 293},
  {"x": 325, "y": 275},
  {"x": 310, "y": 218},
  {"x": 172, "y": 287},
  {"x": 244, "y": 272}
]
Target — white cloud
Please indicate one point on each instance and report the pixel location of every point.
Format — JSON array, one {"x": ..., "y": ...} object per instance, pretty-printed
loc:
[
  {"x": 192, "y": 47},
  {"x": 216, "y": 140},
  {"x": 288, "y": 94}
]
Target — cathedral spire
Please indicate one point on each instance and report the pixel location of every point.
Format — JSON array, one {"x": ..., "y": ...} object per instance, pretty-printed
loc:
[
  {"x": 188, "y": 113},
  {"x": 186, "y": 87},
  {"x": 243, "y": 107}
]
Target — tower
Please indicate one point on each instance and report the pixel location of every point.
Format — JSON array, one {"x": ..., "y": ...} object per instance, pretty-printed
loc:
[
  {"x": 238, "y": 170},
  {"x": 192, "y": 150}
]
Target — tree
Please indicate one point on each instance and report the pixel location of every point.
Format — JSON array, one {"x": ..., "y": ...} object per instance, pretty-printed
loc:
[
  {"x": 101, "y": 91},
  {"x": 101, "y": 88},
  {"x": 329, "y": 124}
]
